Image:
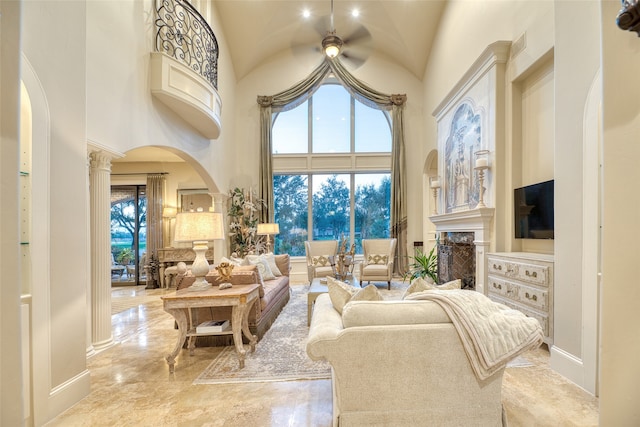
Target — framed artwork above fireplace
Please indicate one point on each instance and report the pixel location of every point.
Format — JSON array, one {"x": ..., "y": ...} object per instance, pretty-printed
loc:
[
  {"x": 468, "y": 119},
  {"x": 461, "y": 188}
]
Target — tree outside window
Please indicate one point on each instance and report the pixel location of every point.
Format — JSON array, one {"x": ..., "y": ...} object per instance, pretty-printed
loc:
[{"x": 325, "y": 186}]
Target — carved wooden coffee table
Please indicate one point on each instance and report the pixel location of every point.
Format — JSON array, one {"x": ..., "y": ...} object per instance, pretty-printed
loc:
[{"x": 240, "y": 298}]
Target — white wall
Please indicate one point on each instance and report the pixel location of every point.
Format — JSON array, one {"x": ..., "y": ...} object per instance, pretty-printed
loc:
[
  {"x": 577, "y": 62},
  {"x": 86, "y": 70},
  {"x": 55, "y": 58},
  {"x": 545, "y": 25},
  {"x": 620, "y": 316},
  {"x": 10, "y": 367},
  {"x": 121, "y": 112}
]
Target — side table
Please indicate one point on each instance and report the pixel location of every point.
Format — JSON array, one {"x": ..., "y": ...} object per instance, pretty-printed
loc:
[{"x": 240, "y": 298}]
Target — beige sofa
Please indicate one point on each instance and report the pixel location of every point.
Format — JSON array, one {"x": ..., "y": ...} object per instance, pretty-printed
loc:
[
  {"x": 400, "y": 363},
  {"x": 274, "y": 295}
]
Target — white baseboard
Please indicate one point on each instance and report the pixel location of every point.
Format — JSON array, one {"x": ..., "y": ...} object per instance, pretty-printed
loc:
[
  {"x": 567, "y": 365},
  {"x": 68, "y": 394}
]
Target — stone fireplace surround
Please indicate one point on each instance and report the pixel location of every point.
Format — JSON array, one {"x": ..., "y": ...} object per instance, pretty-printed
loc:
[{"x": 477, "y": 221}]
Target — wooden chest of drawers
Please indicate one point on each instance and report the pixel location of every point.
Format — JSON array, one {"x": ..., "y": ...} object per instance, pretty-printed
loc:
[{"x": 523, "y": 281}]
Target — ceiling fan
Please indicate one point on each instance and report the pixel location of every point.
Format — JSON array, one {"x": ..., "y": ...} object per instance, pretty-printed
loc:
[{"x": 353, "y": 49}]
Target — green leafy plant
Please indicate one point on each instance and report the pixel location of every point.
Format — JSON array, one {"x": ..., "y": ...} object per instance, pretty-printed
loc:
[
  {"x": 125, "y": 256},
  {"x": 244, "y": 215},
  {"x": 423, "y": 265}
]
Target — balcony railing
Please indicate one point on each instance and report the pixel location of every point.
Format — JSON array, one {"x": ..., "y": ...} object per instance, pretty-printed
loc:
[{"x": 183, "y": 34}]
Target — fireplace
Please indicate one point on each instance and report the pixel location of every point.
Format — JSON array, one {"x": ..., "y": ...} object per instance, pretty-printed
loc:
[
  {"x": 464, "y": 241},
  {"x": 457, "y": 258}
]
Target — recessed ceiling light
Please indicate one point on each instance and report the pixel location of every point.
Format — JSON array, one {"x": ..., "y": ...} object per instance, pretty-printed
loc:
[
  {"x": 306, "y": 13},
  {"x": 355, "y": 13}
]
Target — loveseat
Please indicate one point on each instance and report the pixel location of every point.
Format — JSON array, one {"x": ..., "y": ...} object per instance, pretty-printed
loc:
[
  {"x": 274, "y": 295},
  {"x": 403, "y": 363}
]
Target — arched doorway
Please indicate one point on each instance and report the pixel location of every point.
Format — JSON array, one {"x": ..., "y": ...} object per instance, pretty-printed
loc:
[
  {"x": 430, "y": 196},
  {"x": 184, "y": 182}
]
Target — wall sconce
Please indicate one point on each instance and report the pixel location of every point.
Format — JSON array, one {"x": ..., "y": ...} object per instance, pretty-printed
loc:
[
  {"x": 268, "y": 229},
  {"x": 482, "y": 164},
  {"x": 434, "y": 183},
  {"x": 199, "y": 228}
]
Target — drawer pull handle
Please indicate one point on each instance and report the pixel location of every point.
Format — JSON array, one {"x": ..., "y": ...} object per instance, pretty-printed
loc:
[
  {"x": 497, "y": 267},
  {"x": 534, "y": 274},
  {"x": 531, "y": 297},
  {"x": 497, "y": 286}
]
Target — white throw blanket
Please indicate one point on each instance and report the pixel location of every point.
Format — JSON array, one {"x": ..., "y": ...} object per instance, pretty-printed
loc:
[{"x": 492, "y": 334}]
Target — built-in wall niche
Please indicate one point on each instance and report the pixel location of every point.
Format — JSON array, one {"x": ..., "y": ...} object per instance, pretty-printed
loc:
[
  {"x": 25, "y": 190},
  {"x": 533, "y": 141}
]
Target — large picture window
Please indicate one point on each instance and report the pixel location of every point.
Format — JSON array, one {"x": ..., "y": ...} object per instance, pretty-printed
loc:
[{"x": 331, "y": 163}]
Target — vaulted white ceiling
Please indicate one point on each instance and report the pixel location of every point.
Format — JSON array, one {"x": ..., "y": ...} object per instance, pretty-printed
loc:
[{"x": 256, "y": 30}]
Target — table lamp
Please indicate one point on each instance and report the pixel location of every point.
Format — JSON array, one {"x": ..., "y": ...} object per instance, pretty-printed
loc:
[
  {"x": 199, "y": 228},
  {"x": 268, "y": 229}
]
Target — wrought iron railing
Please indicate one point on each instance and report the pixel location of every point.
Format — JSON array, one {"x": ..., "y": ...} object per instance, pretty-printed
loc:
[{"x": 183, "y": 34}]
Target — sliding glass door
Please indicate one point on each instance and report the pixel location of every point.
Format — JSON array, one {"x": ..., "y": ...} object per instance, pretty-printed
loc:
[{"x": 128, "y": 234}]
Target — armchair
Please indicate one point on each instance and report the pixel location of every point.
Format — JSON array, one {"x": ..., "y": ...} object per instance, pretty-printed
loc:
[
  {"x": 318, "y": 253},
  {"x": 378, "y": 260},
  {"x": 116, "y": 268}
]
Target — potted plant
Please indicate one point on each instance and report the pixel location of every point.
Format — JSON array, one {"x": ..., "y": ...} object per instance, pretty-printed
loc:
[
  {"x": 125, "y": 256},
  {"x": 424, "y": 266},
  {"x": 244, "y": 210}
]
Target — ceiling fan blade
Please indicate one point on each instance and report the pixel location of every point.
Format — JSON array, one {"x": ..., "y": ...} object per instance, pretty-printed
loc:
[
  {"x": 360, "y": 36},
  {"x": 353, "y": 61},
  {"x": 322, "y": 25},
  {"x": 305, "y": 51}
]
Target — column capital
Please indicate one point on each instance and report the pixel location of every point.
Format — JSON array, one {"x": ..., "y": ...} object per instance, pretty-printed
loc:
[{"x": 100, "y": 160}]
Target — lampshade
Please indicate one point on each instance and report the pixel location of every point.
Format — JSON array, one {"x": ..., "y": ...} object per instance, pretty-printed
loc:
[
  {"x": 169, "y": 212},
  {"x": 268, "y": 228},
  {"x": 198, "y": 226}
]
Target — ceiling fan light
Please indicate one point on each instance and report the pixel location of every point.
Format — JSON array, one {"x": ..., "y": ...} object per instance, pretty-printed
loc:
[
  {"x": 332, "y": 51},
  {"x": 331, "y": 45}
]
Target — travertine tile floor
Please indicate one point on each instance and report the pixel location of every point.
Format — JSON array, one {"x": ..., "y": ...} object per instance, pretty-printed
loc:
[{"x": 131, "y": 386}]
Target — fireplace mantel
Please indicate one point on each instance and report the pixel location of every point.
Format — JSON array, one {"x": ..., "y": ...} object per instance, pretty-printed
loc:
[
  {"x": 472, "y": 220},
  {"x": 477, "y": 221}
]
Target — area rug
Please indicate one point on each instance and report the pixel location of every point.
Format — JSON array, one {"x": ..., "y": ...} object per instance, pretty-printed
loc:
[{"x": 280, "y": 355}]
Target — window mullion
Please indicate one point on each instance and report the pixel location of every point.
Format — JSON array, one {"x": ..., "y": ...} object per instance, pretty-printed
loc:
[
  {"x": 310, "y": 127},
  {"x": 352, "y": 207},
  {"x": 310, "y": 207}
]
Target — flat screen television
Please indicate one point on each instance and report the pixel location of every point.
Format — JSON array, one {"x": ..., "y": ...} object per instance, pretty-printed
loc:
[{"x": 533, "y": 210}]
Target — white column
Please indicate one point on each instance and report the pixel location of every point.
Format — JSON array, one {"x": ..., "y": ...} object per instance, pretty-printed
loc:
[
  {"x": 100, "y": 196},
  {"x": 90, "y": 350}
]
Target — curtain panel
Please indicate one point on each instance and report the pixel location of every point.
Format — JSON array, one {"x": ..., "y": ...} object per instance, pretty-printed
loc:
[
  {"x": 298, "y": 94},
  {"x": 155, "y": 203}
]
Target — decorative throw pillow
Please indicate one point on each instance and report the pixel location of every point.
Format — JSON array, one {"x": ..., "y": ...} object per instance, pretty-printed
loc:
[
  {"x": 340, "y": 293},
  {"x": 368, "y": 293},
  {"x": 263, "y": 266},
  {"x": 239, "y": 261},
  {"x": 377, "y": 259},
  {"x": 321, "y": 261},
  {"x": 271, "y": 260},
  {"x": 420, "y": 284}
]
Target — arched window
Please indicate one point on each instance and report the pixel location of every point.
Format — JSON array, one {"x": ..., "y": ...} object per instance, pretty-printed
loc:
[{"x": 331, "y": 170}]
